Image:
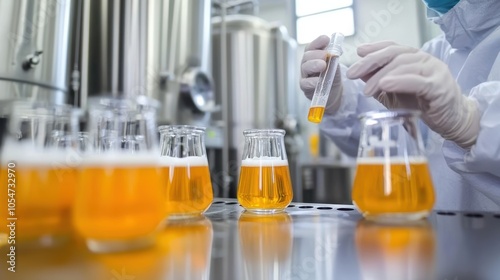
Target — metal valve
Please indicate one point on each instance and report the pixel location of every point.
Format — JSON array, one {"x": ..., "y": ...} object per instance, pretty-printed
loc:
[{"x": 32, "y": 60}]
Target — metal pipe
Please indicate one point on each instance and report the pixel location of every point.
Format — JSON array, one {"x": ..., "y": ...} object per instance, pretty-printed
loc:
[
  {"x": 75, "y": 74},
  {"x": 85, "y": 55},
  {"x": 225, "y": 103}
]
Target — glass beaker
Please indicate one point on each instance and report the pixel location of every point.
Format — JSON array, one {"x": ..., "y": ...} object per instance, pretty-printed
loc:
[
  {"x": 392, "y": 179},
  {"x": 264, "y": 184},
  {"x": 186, "y": 176},
  {"x": 119, "y": 203},
  {"x": 38, "y": 178}
]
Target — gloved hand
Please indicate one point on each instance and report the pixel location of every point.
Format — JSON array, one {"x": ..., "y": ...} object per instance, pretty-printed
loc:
[
  {"x": 405, "y": 77},
  {"x": 313, "y": 62}
]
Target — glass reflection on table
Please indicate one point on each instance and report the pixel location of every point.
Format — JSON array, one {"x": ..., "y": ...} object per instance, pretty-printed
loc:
[
  {"x": 396, "y": 251},
  {"x": 187, "y": 247},
  {"x": 266, "y": 245}
]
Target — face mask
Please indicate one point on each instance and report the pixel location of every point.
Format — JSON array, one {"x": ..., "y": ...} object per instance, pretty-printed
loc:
[{"x": 441, "y": 6}]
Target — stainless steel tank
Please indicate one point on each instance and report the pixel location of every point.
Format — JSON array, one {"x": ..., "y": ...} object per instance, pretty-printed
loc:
[
  {"x": 37, "y": 49},
  {"x": 260, "y": 82},
  {"x": 157, "y": 48}
]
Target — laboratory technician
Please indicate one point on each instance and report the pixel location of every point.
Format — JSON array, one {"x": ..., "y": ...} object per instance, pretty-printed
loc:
[{"x": 454, "y": 80}]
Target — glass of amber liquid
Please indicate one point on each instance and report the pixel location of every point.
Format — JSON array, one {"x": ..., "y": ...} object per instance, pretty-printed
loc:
[
  {"x": 264, "y": 184},
  {"x": 37, "y": 152},
  {"x": 392, "y": 179},
  {"x": 184, "y": 167},
  {"x": 118, "y": 203}
]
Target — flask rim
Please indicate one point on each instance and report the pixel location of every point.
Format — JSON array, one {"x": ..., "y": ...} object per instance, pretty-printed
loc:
[
  {"x": 264, "y": 132},
  {"x": 181, "y": 129},
  {"x": 377, "y": 115}
]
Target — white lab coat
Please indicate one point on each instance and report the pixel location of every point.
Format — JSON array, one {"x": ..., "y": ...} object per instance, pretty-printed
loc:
[{"x": 463, "y": 180}]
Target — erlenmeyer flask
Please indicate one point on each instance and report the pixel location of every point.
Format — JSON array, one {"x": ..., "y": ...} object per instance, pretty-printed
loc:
[
  {"x": 187, "y": 184},
  {"x": 38, "y": 178},
  {"x": 264, "y": 185},
  {"x": 119, "y": 205},
  {"x": 392, "y": 179}
]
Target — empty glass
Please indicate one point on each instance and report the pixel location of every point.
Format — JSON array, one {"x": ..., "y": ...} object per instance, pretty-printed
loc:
[
  {"x": 186, "y": 176},
  {"x": 37, "y": 175},
  {"x": 392, "y": 178},
  {"x": 119, "y": 203},
  {"x": 264, "y": 184}
]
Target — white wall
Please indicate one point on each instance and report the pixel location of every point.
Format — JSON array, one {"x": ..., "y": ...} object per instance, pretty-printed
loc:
[{"x": 402, "y": 21}]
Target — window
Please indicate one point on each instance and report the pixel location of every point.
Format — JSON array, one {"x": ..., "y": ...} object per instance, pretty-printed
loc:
[{"x": 317, "y": 17}]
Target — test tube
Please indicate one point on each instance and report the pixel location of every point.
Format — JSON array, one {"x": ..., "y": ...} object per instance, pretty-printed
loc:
[{"x": 324, "y": 85}]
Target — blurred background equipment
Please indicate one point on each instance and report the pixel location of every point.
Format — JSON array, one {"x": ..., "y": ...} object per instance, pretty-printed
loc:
[
  {"x": 156, "y": 48},
  {"x": 227, "y": 65},
  {"x": 78, "y": 51},
  {"x": 37, "y": 49}
]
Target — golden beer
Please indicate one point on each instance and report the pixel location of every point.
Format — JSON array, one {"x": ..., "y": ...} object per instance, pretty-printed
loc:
[
  {"x": 43, "y": 196},
  {"x": 188, "y": 188},
  {"x": 264, "y": 185},
  {"x": 316, "y": 114},
  {"x": 118, "y": 198},
  {"x": 396, "y": 186}
]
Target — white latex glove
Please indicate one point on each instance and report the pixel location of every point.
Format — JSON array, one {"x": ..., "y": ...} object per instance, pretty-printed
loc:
[
  {"x": 405, "y": 77},
  {"x": 313, "y": 62}
]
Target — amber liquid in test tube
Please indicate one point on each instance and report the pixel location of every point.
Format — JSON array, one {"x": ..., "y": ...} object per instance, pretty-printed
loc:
[{"x": 324, "y": 85}]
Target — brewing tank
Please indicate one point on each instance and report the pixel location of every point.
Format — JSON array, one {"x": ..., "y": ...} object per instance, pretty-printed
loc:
[
  {"x": 260, "y": 73},
  {"x": 37, "y": 51},
  {"x": 157, "y": 48}
]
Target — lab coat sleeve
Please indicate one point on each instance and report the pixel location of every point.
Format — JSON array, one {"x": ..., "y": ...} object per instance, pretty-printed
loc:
[
  {"x": 480, "y": 166},
  {"x": 344, "y": 126}
]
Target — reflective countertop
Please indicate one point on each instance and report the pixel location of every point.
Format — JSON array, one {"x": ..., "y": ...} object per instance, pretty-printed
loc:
[{"x": 309, "y": 241}]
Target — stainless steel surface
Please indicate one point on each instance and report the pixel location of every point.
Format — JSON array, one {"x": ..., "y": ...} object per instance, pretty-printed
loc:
[
  {"x": 37, "y": 49},
  {"x": 245, "y": 7},
  {"x": 250, "y": 79},
  {"x": 157, "y": 48},
  {"x": 309, "y": 241},
  {"x": 285, "y": 73}
]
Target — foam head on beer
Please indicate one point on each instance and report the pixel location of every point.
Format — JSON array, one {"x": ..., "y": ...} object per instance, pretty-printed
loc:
[{"x": 264, "y": 184}]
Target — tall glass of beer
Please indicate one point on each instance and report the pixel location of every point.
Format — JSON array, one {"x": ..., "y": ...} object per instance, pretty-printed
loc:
[
  {"x": 38, "y": 172},
  {"x": 119, "y": 203},
  {"x": 184, "y": 166},
  {"x": 392, "y": 179},
  {"x": 264, "y": 184}
]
